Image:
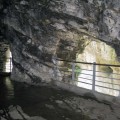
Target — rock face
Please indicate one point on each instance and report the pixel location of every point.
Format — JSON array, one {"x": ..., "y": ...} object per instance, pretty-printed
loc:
[
  {"x": 3, "y": 43},
  {"x": 37, "y": 30}
]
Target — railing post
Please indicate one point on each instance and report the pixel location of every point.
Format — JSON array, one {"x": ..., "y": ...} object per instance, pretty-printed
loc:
[
  {"x": 73, "y": 71},
  {"x": 10, "y": 64},
  {"x": 94, "y": 76}
]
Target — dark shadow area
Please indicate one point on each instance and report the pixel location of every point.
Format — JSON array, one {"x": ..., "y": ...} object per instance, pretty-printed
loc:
[{"x": 42, "y": 101}]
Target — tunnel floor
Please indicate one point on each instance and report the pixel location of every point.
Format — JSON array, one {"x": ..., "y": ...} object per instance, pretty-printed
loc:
[{"x": 51, "y": 103}]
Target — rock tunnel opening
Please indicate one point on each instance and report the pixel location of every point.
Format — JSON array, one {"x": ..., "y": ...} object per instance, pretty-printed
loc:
[
  {"x": 8, "y": 61},
  {"x": 5, "y": 59}
]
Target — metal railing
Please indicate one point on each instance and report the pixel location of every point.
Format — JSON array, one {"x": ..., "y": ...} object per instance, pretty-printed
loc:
[
  {"x": 6, "y": 65},
  {"x": 88, "y": 75}
]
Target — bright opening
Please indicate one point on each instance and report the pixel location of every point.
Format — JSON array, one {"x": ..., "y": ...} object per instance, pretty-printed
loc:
[{"x": 8, "y": 62}]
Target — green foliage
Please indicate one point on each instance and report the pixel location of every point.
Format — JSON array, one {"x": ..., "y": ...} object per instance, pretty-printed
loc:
[{"x": 77, "y": 71}]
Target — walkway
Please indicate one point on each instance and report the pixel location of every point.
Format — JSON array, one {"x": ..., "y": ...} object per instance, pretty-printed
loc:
[{"x": 52, "y": 103}]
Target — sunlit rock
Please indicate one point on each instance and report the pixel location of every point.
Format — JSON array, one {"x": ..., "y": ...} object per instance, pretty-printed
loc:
[{"x": 101, "y": 53}]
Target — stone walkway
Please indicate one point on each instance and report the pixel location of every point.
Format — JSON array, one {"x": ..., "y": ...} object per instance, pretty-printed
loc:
[
  {"x": 46, "y": 103},
  {"x": 16, "y": 113}
]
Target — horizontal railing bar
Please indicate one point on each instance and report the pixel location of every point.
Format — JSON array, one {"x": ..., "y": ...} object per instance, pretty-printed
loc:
[
  {"x": 108, "y": 73},
  {"x": 96, "y": 80},
  {"x": 101, "y": 72},
  {"x": 108, "y": 78},
  {"x": 73, "y": 61},
  {"x": 85, "y": 78},
  {"x": 86, "y": 74},
  {"x": 115, "y": 74},
  {"x": 107, "y": 82},
  {"x": 86, "y": 69},
  {"x": 74, "y": 71},
  {"x": 88, "y": 63},
  {"x": 102, "y": 77},
  {"x": 83, "y": 82},
  {"x": 95, "y": 85},
  {"x": 78, "y": 81},
  {"x": 108, "y": 88}
]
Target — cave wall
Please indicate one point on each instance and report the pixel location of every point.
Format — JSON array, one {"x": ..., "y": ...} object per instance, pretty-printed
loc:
[
  {"x": 37, "y": 30},
  {"x": 4, "y": 45}
]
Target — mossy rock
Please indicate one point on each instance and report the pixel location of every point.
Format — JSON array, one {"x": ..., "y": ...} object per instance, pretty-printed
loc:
[{"x": 107, "y": 69}]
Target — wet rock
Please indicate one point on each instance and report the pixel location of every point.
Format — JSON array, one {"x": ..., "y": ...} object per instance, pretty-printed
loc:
[{"x": 16, "y": 112}]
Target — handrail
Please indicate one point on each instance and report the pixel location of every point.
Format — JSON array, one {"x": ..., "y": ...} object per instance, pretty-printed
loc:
[
  {"x": 108, "y": 77},
  {"x": 88, "y": 63},
  {"x": 111, "y": 83},
  {"x": 106, "y": 82}
]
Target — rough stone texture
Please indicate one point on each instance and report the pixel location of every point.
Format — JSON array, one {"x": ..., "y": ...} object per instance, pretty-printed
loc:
[
  {"x": 37, "y": 30},
  {"x": 95, "y": 110},
  {"x": 90, "y": 109},
  {"x": 55, "y": 104},
  {"x": 3, "y": 42},
  {"x": 16, "y": 113}
]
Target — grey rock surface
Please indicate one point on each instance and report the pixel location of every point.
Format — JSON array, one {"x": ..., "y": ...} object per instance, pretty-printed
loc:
[
  {"x": 37, "y": 30},
  {"x": 16, "y": 113},
  {"x": 92, "y": 108}
]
